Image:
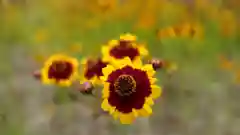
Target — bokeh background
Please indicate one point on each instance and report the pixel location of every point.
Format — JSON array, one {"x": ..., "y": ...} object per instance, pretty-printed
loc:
[{"x": 200, "y": 98}]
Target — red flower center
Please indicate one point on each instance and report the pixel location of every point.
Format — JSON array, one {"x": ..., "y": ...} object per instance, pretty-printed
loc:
[
  {"x": 124, "y": 49},
  {"x": 125, "y": 85},
  {"x": 60, "y": 70},
  {"x": 94, "y": 68}
]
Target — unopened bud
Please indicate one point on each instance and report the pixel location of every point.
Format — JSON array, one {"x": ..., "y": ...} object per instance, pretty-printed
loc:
[
  {"x": 156, "y": 63},
  {"x": 86, "y": 88},
  {"x": 37, "y": 74}
]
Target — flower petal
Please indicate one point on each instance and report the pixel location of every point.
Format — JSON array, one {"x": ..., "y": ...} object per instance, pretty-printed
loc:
[
  {"x": 105, "y": 50},
  {"x": 145, "y": 111},
  {"x": 105, "y": 105},
  {"x": 126, "y": 118},
  {"x": 107, "y": 70},
  {"x": 149, "y": 101},
  {"x": 153, "y": 80},
  {"x": 105, "y": 91},
  {"x": 123, "y": 62},
  {"x": 149, "y": 69},
  {"x": 128, "y": 37},
  {"x": 156, "y": 91},
  {"x": 143, "y": 50},
  {"x": 113, "y": 42},
  {"x": 137, "y": 62}
]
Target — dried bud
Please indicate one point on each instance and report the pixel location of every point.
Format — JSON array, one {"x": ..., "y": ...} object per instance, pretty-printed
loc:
[
  {"x": 37, "y": 74},
  {"x": 86, "y": 88},
  {"x": 156, "y": 63}
]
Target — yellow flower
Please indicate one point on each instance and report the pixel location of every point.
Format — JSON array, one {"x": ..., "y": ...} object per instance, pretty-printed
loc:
[
  {"x": 188, "y": 30},
  {"x": 126, "y": 46},
  {"x": 92, "y": 70},
  {"x": 41, "y": 35},
  {"x": 59, "y": 69},
  {"x": 129, "y": 89}
]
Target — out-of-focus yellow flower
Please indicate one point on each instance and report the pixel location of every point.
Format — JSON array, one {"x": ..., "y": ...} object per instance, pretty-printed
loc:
[
  {"x": 168, "y": 32},
  {"x": 60, "y": 69},
  {"x": 170, "y": 67},
  {"x": 237, "y": 77},
  {"x": 192, "y": 30},
  {"x": 189, "y": 30},
  {"x": 41, "y": 35},
  {"x": 225, "y": 63},
  {"x": 107, "y": 5},
  {"x": 126, "y": 46},
  {"x": 227, "y": 20},
  {"x": 129, "y": 90},
  {"x": 75, "y": 48},
  {"x": 146, "y": 21}
]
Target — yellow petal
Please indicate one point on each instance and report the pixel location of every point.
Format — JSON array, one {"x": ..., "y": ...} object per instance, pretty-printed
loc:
[
  {"x": 149, "y": 101},
  {"x": 156, "y": 91},
  {"x": 105, "y": 91},
  {"x": 128, "y": 37},
  {"x": 137, "y": 62},
  {"x": 126, "y": 118},
  {"x": 149, "y": 69},
  {"x": 115, "y": 114},
  {"x": 103, "y": 78},
  {"x": 143, "y": 50},
  {"x": 65, "y": 83},
  {"x": 123, "y": 62},
  {"x": 108, "y": 70},
  {"x": 105, "y": 50},
  {"x": 112, "y": 43},
  {"x": 105, "y": 105},
  {"x": 153, "y": 80},
  {"x": 145, "y": 111}
]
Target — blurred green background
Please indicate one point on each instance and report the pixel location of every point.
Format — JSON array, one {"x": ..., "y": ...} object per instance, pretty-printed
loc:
[{"x": 201, "y": 98}]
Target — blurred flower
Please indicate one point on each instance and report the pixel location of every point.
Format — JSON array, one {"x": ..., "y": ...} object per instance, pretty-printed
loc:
[
  {"x": 237, "y": 76},
  {"x": 59, "y": 69},
  {"x": 129, "y": 89},
  {"x": 225, "y": 63},
  {"x": 146, "y": 20},
  {"x": 191, "y": 30},
  {"x": 75, "y": 48},
  {"x": 168, "y": 32},
  {"x": 41, "y": 35},
  {"x": 126, "y": 46},
  {"x": 92, "y": 70},
  {"x": 107, "y": 5},
  {"x": 188, "y": 30},
  {"x": 228, "y": 23},
  {"x": 171, "y": 67}
]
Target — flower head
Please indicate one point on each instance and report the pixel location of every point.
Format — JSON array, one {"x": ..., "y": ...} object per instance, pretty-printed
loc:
[
  {"x": 59, "y": 69},
  {"x": 92, "y": 70},
  {"x": 126, "y": 46},
  {"x": 129, "y": 89}
]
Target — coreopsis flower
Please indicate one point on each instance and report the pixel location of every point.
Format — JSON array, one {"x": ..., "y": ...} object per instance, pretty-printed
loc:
[
  {"x": 60, "y": 69},
  {"x": 92, "y": 70},
  {"x": 129, "y": 89},
  {"x": 126, "y": 46}
]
